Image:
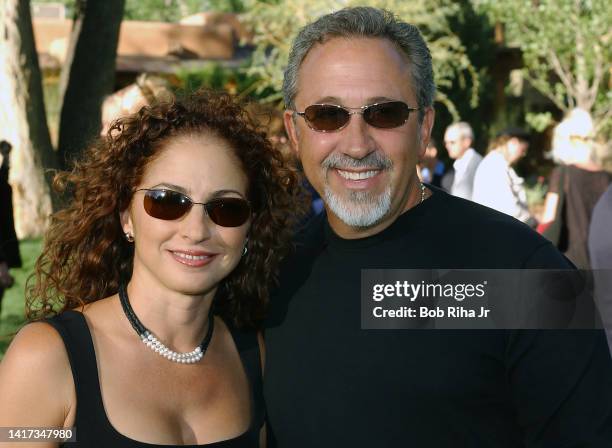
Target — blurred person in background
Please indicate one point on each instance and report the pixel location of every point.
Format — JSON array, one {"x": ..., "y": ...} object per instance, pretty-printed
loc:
[
  {"x": 496, "y": 184},
  {"x": 9, "y": 245},
  {"x": 458, "y": 140},
  {"x": 574, "y": 187},
  {"x": 600, "y": 252},
  {"x": 430, "y": 168}
]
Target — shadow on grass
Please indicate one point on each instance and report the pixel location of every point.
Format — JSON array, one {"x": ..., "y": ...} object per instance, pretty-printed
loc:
[
  {"x": 13, "y": 302},
  {"x": 12, "y": 321},
  {"x": 10, "y": 326}
]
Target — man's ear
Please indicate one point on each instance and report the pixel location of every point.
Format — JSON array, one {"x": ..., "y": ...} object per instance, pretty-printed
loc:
[
  {"x": 426, "y": 127},
  {"x": 289, "y": 120}
]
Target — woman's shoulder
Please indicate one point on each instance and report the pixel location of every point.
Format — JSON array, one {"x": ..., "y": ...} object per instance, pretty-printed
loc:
[
  {"x": 35, "y": 364},
  {"x": 37, "y": 344}
]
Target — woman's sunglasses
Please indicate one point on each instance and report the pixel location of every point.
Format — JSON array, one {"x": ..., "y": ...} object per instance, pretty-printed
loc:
[
  {"x": 331, "y": 117},
  {"x": 170, "y": 205}
]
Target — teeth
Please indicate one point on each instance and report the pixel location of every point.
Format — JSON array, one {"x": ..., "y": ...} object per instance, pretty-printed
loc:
[
  {"x": 351, "y": 175},
  {"x": 190, "y": 257}
]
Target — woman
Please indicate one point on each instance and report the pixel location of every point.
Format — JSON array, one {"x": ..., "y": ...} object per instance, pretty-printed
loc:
[
  {"x": 175, "y": 226},
  {"x": 574, "y": 187}
]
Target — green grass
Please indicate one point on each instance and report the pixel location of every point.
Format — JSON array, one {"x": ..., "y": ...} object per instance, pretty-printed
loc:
[{"x": 13, "y": 302}]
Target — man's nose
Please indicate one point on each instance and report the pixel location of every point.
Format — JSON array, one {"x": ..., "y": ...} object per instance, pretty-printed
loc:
[{"x": 356, "y": 139}]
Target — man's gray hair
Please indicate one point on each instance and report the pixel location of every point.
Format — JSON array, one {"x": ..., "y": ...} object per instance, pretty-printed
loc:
[
  {"x": 464, "y": 129},
  {"x": 365, "y": 22}
]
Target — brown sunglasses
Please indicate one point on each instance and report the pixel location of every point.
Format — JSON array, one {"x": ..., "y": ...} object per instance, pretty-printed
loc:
[
  {"x": 170, "y": 205},
  {"x": 331, "y": 117}
]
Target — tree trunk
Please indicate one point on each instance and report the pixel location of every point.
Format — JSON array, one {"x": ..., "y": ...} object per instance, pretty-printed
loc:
[
  {"x": 88, "y": 74},
  {"x": 22, "y": 119}
]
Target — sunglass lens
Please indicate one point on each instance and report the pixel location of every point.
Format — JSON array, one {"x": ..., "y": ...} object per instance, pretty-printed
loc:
[
  {"x": 229, "y": 212},
  {"x": 165, "y": 204},
  {"x": 323, "y": 117},
  {"x": 387, "y": 115}
]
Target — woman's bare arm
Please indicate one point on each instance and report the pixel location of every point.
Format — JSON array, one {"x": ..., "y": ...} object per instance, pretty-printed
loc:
[{"x": 36, "y": 385}]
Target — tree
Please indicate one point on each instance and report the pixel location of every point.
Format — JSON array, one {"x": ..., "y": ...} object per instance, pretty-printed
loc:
[
  {"x": 22, "y": 118},
  {"x": 276, "y": 22},
  {"x": 161, "y": 10},
  {"x": 566, "y": 51},
  {"x": 88, "y": 74},
  {"x": 22, "y": 115}
]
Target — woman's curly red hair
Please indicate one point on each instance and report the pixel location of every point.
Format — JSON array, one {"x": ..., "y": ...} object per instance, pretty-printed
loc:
[{"x": 85, "y": 254}]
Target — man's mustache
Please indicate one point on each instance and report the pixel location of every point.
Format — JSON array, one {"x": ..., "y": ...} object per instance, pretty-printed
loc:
[{"x": 374, "y": 160}]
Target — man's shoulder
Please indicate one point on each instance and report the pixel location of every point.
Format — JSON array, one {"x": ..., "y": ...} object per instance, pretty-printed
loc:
[
  {"x": 492, "y": 160},
  {"x": 489, "y": 235},
  {"x": 490, "y": 171},
  {"x": 476, "y": 157},
  {"x": 462, "y": 213}
]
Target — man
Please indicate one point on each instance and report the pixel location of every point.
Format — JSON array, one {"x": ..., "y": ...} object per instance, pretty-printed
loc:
[
  {"x": 430, "y": 168},
  {"x": 496, "y": 184},
  {"x": 458, "y": 140},
  {"x": 359, "y": 92},
  {"x": 600, "y": 253}
]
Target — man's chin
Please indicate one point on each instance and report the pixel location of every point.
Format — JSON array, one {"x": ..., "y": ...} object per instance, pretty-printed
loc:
[{"x": 360, "y": 209}]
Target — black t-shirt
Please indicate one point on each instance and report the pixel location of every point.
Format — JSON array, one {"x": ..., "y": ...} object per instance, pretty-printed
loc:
[{"x": 328, "y": 383}]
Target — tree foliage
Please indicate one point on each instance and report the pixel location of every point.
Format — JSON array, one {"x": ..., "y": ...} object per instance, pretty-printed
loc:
[
  {"x": 276, "y": 22},
  {"x": 162, "y": 10},
  {"x": 174, "y": 10},
  {"x": 567, "y": 50}
]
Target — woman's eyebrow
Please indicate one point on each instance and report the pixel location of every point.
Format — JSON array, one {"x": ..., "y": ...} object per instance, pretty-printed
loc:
[
  {"x": 221, "y": 193},
  {"x": 214, "y": 195},
  {"x": 171, "y": 186}
]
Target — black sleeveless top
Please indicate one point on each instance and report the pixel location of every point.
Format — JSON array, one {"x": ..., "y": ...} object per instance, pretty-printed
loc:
[{"x": 93, "y": 428}]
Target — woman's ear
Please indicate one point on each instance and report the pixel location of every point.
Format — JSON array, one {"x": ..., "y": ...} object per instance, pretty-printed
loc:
[{"x": 125, "y": 218}]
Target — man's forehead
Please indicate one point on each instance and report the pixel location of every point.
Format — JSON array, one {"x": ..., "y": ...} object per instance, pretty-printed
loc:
[
  {"x": 339, "y": 101},
  {"x": 452, "y": 133},
  {"x": 334, "y": 49},
  {"x": 371, "y": 69},
  {"x": 455, "y": 133}
]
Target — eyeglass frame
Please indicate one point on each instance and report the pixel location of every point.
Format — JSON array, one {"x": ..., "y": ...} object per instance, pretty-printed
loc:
[
  {"x": 205, "y": 204},
  {"x": 359, "y": 111}
]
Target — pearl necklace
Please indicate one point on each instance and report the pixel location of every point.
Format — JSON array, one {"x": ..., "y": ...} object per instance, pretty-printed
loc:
[
  {"x": 422, "y": 192},
  {"x": 155, "y": 344}
]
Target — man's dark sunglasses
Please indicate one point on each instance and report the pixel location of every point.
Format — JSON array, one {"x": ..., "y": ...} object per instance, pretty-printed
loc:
[
  {"x": 170, "y": 205},
  {"x": 331, "y": 117}
]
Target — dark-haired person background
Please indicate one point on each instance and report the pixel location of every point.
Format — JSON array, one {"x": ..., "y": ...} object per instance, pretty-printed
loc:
[
  {"x": 9, "y": 245},
  {"x": 496, "y": 184},
  {"x": 156, "y": 275}
]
